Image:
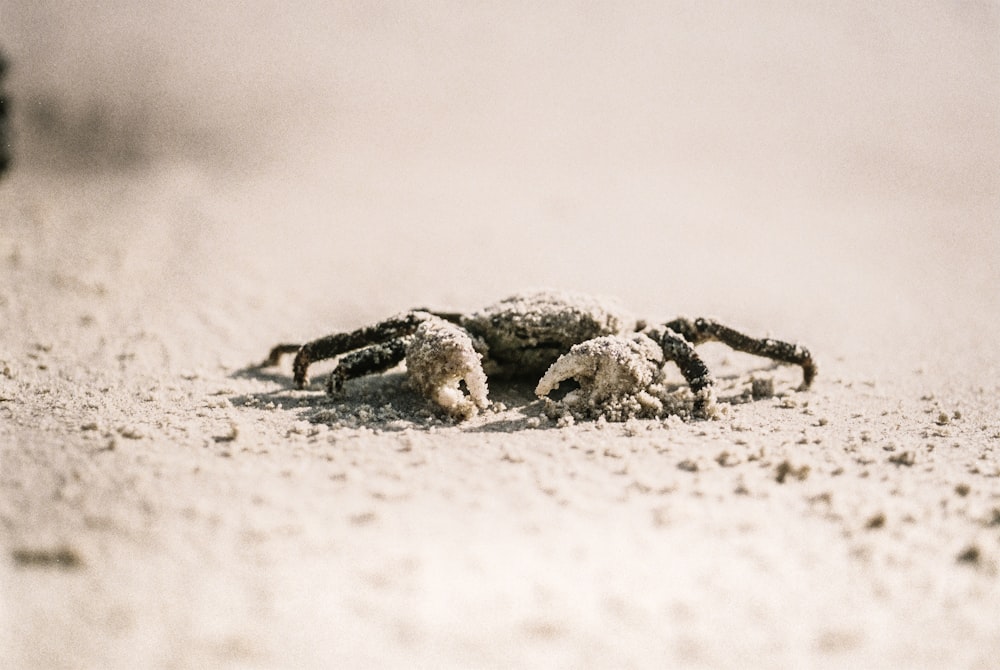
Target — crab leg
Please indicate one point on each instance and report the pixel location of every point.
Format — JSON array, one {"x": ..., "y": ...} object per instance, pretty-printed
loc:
[
  {"x": 341, "y": 343},
  {"x": 679, "y": 350},
  {"x": 367, "y": 361},
  {"x": 705, "y": 330},
  {"x": 279, "y": 350}
]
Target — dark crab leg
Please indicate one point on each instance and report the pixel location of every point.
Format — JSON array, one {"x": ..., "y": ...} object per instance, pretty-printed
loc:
[
  {"x": 274, "y": 357},
  {"x": 341, "y": 343},
  {"x": 367, "y": 361},
  {"x": 705, "y": 330},
  {"x": 679, "y": 350}
]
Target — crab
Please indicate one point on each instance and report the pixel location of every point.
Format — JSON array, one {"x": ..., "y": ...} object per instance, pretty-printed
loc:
[{"x": 614, "y": 362}]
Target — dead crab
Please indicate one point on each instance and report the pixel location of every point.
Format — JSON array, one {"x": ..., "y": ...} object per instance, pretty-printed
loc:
[{"x": 616, "y": 361}]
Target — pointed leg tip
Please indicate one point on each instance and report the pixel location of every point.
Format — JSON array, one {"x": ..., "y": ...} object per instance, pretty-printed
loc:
[{"x": 808, "y": 375}]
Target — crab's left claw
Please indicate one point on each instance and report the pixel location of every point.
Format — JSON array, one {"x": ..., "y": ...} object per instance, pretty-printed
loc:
[
  {"x": 613, "y": 372},
  {"x": 438, "y": 360}
]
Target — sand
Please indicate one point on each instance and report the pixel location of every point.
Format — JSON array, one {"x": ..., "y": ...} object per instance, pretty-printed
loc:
[{"x": 184, "y": 199}]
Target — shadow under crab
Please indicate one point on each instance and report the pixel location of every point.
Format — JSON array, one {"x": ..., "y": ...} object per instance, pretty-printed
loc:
[{"x": 616, "y": 361}]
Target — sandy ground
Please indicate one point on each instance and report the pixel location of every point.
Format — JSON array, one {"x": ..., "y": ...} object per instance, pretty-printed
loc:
[{"x": 188, "y": 195}]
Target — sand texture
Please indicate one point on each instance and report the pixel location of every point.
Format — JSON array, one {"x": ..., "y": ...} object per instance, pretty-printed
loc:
[{"x": 194, "y": 185}]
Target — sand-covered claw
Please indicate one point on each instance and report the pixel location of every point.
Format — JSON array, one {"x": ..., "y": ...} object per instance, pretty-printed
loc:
[
  {"x": 438, "y": 359},
  {"x": 614, "y": 375}
]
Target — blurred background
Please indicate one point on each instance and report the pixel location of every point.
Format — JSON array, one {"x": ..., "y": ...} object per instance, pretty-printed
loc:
[{"x": 825, "y": 171}]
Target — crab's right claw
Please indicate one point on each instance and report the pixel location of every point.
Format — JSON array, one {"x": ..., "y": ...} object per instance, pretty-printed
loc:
[{"x": 439, "y": 360}]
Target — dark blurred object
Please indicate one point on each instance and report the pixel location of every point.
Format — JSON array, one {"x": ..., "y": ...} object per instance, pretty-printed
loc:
[
  {"x": 4, "y": 116},
  {"x": 92, "y": 134}
]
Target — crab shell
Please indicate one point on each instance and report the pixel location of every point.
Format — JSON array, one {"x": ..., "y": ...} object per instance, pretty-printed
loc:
[{"x": 521, "y": 336}]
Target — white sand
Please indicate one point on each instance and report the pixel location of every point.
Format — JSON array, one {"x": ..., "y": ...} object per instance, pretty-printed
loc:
[{"x": 825, "y": 176}]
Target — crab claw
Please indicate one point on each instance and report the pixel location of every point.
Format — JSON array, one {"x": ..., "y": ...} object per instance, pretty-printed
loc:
[
  {"x": 439, "y": 357},
  {"x": 611, "y": 371}
]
